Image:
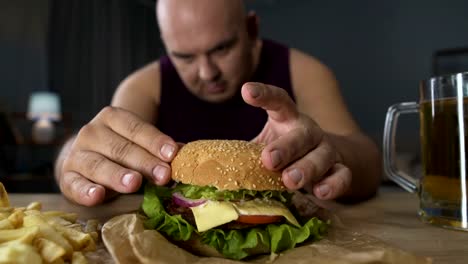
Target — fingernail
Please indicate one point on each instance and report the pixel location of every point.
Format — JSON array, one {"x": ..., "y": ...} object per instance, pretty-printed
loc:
[
  {"x": 275, "y": 156},
  {"x": 91, "y": 191},
  {"x": 167, "y": 151},
  {"x": 254, "y": 92},
  {"x": 295, "y": 175},
  {"x": 323, "y": 190},
  {"x": 127, "y": 179},
  {"x": 160, "y": 173}
]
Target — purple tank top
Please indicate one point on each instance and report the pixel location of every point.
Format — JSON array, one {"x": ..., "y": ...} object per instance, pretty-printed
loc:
[{"x": 185, "y": 118}]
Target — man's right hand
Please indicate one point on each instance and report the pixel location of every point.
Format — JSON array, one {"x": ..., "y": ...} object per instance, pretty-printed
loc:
[{"x": 111, "y": 154}]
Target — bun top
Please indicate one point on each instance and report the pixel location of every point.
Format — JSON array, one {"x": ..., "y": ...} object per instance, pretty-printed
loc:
[{"x": 224, "y": 164}]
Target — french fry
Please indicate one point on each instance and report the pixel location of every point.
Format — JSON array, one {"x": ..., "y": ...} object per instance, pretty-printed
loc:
[
  {"x": 8, "y": 210},
  {"x": 16, "y": 218},
  {"x": 79, "y": 240},
  {"x": 19, "y": 253},
  {"x": 49, "y": 250},
  {"x": 32, "y": 212},
  {"x": 24, "y": 234},
  {"x": 47, "y": 231},
  {"x": 5, "y": 224},
  {"x": 58, "y": 221},
  {"x": 92, "y": 225},
  {"x": 26, "y": 238},
  {"x": 19, "y": 209},
  {"x": 77, "y": 227},
  {"x": 5, "y": 212},
  {"x": 94, "y": 235},
  {"x": 71, "y": 217},
  {"x": 4, "y": 201},
  {"x": 58, "y": 261},
  {"x": 34, "y": 206},
  {"x": 28, "y": 235},
  {"x": 78, "y": 258}
]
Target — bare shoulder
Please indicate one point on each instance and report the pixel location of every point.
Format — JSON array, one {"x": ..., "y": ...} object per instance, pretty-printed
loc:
[
  {"x": 140, "y": 91},
  {"x": 305, "y": 68},
  {"x": 318, "y": 93},
  {"x": 145, "y": 80}
]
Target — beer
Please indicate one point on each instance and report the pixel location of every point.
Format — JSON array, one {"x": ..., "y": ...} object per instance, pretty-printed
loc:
[
  {"x": 443, "y": 112},
  {"x": 443, "y": 145}
]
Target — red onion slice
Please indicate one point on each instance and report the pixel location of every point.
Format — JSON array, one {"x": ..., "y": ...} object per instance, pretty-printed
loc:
[{"x": 183, "y": 201}]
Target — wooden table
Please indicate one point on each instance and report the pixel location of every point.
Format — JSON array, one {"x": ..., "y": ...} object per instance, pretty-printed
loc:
[{"x": 391, "y": 216}]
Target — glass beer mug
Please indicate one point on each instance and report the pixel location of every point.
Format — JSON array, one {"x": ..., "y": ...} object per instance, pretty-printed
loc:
[{"x": 443, "y": 112}]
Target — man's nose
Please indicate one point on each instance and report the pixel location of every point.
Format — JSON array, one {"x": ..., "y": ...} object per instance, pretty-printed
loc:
[{"x": 208, "y": 70}]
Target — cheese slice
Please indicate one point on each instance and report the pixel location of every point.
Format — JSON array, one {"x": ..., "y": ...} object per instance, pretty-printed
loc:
[
  {"x": 265, "y": 207},
  {"x": 213, "y": 213}
]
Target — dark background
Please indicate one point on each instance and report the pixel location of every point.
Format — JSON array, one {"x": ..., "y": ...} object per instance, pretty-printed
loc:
[{"x": 82, "y": 49}]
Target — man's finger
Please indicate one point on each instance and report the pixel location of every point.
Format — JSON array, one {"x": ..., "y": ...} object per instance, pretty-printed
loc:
[
  {"x": 335, "y": 185},
  {"x": 103, "y": 171},
  {"x": 80, "y": 190},
  {"x": 288, "y": 148},
  {"x": 309, "y": 169},
  {"x": 142, "y": 133},
  {"x": 126, "y": 153},
  {"x": 276, "y": 101}
]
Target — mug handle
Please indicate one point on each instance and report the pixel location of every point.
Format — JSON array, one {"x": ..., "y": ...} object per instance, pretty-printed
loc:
[{"x": 407, "y": 182}]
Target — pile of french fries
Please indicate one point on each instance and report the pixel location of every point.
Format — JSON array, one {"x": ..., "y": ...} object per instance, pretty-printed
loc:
[{"x": 29, "y": 235}]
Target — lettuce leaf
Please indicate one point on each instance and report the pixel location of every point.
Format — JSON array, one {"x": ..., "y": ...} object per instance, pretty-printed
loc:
[
  {"x": 211, "y": 193},
  {"x": 172, "y": 225},
  {"x": 234, "y": 244}
]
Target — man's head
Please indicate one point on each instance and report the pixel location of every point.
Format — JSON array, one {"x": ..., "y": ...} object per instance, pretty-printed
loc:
[{"x": 213, "y": 44}]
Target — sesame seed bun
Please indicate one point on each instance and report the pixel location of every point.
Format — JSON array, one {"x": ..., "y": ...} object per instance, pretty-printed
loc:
[{"x": 224, "y": 164}]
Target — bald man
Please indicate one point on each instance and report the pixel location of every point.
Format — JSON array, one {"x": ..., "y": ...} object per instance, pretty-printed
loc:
[{"x": 220, "y": 80}]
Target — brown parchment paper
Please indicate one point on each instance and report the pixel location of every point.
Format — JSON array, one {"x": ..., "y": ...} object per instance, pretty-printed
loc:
[{"x": 128, "y": 242}]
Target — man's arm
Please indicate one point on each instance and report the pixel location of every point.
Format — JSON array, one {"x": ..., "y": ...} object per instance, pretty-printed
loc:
[
  {"x": 318, "y": 96},
  {"x": 139, "y": 93}
]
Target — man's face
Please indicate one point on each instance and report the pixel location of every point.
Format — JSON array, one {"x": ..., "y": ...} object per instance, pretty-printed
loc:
[{"x": 212, "y": 52}]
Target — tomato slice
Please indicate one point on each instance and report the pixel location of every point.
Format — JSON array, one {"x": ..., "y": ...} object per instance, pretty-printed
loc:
[{"x": 259, "y": 219}]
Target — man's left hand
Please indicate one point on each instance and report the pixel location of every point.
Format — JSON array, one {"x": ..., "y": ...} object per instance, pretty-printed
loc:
[{"x": 297, "y": 145}]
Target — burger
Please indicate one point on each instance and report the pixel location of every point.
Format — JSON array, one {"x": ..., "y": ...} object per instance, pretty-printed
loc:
[{"x": 224, "y": 202}]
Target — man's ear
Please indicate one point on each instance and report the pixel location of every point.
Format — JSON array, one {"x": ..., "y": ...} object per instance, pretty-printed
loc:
[{"x": 252, "y": 25}]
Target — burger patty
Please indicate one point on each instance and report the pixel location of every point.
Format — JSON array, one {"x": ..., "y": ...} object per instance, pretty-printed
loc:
[
  {"x": 184, "y": 212},
  {"x": 187, "y": 214}
]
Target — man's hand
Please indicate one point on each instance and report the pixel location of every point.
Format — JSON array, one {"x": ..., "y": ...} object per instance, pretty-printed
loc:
[
  {"x": 296, "y": 145},
  {"x": 110, "y": 155}
]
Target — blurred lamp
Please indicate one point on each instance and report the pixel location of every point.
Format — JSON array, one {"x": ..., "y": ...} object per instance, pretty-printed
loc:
[{"x": 44, "y": 109}]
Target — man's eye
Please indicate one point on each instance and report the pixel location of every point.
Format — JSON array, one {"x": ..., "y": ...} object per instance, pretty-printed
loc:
[
  {"x": 186, "y": 59},
  {"x": 222, "y": 48}
]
